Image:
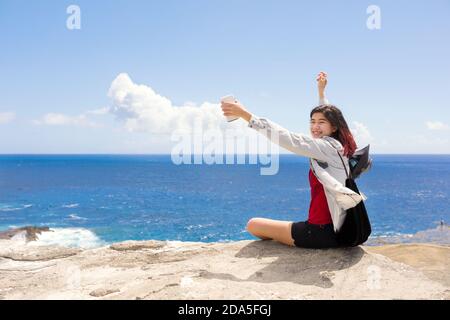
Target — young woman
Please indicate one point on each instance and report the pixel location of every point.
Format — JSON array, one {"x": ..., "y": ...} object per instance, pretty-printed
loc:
[{"x": 328, "y": 149}]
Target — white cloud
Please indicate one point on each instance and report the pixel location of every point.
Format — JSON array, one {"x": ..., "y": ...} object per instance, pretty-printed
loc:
[
  {"x": 81, "y": 120},
  {"x": 6, "y": 117},
  {"x": 361, "y": 134},
  {"x": 142, "y": 109},
  {"x": 422, "y": 139},
  {"x": 428, "y": 143},
  {"x": 101, "y": 111},
  {"x": 436, "y": 125},
  {"x": 59, "y": 119}
]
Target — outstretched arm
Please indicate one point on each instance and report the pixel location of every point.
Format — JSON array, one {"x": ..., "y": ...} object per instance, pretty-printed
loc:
[
  {"x": 295, "y": 142},
  {"x": 321, "y": 84}
]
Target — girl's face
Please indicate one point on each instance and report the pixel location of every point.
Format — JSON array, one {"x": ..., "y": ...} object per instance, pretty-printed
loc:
[{"x": 320, "y": 126}]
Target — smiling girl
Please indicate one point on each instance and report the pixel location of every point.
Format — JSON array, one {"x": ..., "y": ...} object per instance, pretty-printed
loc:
[{"x": 329, "y": 148}]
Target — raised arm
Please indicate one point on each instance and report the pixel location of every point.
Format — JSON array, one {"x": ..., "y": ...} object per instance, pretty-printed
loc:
[{"x": 321, "y": 84}]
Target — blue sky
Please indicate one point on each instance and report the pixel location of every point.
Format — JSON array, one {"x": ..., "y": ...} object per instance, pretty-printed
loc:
[{"x": 392, "y": 84}]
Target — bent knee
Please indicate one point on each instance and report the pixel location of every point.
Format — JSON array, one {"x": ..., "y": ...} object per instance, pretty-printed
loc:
[
  {"x": 250, "y": 224},
  {"x": 253, "y": 224}
]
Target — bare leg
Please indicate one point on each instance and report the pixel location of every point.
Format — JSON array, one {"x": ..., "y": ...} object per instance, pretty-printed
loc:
[{"x": 266, "y": 229}]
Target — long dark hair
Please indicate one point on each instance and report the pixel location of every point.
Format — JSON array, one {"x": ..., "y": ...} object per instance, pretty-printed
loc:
[{"x": 342, "y": 134}]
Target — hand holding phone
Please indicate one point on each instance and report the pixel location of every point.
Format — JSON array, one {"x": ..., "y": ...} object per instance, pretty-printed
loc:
[{"x": 230, "y": 99}]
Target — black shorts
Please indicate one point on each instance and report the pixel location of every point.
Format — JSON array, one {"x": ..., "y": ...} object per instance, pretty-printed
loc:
[{"x": 307, "y": 235}]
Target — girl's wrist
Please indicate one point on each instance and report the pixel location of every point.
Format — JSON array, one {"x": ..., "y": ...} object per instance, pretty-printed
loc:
[
  {"x": 321, "y": 94},
  {"x": 246, "y": 115}
]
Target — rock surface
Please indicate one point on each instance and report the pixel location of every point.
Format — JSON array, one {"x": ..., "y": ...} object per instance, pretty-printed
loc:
[
  {"x": 29, "y": 233},
  {"x": 261, "y": 269}
]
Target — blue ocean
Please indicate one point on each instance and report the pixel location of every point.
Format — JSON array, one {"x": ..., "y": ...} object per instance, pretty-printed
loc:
[{"x": 98, "y": 199}]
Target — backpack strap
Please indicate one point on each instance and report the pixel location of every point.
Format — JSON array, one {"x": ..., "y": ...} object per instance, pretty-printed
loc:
[{"x": 345, "y": 168}]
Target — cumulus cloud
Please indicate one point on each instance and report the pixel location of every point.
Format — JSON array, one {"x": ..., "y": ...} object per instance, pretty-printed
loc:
[
  {"x": 143, "y": 110},
  {"x": 361, "y": 134},
  {"x": 6, "y": 117},
  {"x": 436, "y": 125},
  {"x": 138, "y": 108}
]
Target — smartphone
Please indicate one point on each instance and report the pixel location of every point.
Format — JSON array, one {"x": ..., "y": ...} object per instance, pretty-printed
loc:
[{"x": 229, "y": 98}]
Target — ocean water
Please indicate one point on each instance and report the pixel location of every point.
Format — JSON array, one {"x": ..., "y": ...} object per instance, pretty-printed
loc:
[{"x": 90, "y": 200}]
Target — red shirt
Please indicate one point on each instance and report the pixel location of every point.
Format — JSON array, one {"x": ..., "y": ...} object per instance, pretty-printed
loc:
[{"x": 319, "y": 213}]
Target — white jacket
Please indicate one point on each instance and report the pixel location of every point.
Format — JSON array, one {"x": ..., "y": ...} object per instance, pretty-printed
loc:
[{"x": 324, "y": 161}]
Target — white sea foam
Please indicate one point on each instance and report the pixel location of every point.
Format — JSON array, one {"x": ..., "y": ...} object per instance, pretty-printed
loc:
[
  {"x": 71, "y": 205},
  {"x": 7, "y": 207},
  {"x": 198, "y": 226},
  {"x": 75, "y": 217},
  {"x": 69, "y": 237}
]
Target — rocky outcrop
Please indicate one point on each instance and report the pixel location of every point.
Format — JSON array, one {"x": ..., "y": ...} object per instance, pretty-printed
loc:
[
  {"x": 29, "y": 233},
  {"x": 262, "y": 269}
]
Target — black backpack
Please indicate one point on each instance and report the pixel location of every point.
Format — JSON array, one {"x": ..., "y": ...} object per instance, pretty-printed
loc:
[
  {"x": 356, "y": 228},
  {"x": 360, "y": 162}
]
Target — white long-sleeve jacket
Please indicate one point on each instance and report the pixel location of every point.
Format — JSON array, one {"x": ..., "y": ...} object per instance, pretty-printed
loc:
[{"x": 324, "y": 161}]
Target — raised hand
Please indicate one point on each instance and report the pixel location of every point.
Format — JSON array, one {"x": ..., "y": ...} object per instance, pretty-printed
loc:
[{"x": 321, "y": 81}]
